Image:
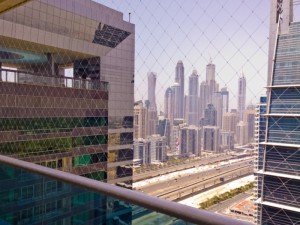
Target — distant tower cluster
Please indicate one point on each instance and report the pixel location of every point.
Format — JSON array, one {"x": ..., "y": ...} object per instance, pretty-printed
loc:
[{"x": 196, "y": 122}]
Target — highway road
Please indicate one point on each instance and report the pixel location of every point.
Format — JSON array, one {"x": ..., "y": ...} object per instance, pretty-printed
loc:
[
  {"x": 173, "y": 168},
  {"x": 228, "y": 203},
  {"x": 186, "y": 185}
]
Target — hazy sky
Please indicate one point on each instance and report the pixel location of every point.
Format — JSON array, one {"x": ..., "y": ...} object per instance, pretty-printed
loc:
[{"x": 233, "y": 33}]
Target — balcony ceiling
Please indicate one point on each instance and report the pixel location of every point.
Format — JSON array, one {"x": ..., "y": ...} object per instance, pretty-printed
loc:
[{"x": 6, "y": 5}]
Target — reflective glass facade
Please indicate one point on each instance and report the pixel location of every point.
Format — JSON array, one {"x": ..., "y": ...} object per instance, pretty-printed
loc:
[
  {"x": 279, "y": 155},
  {"x": 66, "y": 88}
]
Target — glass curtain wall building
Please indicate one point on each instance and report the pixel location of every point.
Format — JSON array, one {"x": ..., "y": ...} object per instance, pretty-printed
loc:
[
  {"x": 66, "y": 89},
  {"x": 66, "y": 102},
  {"x": 279, "y": 156}
]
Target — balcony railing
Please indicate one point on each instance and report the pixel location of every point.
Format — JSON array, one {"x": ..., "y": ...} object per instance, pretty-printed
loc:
[
  {"x": 15, "y": 76},
  {"x": 32, "y": 193}
]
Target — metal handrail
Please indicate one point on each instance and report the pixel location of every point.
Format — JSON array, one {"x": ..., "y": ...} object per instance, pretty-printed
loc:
[
  {"x": 183, "y": 212},
  {"x": 16, "y": 76}
]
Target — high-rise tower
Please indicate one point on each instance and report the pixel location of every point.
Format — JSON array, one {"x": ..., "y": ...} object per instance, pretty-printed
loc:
[
  {"x": 177, "y": 101},
  {"x": 151, "y": 89},
  {"x": 218, "y": 104},
  {"x": 225, "y": 100},
  {"x": 193, "y": 99},
  {"x": 179, "y": 98},
  {"x": 78, "y": 123},
  {"x": 210, "y": 116},
  {"x": 203, "y": 99},
  {"x": 139, "y": 125},
  {"x": 169, "y": 104},
  {"x": 278, "y": 176},
  {"x": 67, "y": 68},
  {"x": 211, "y": 80},
  {"x": 280, "y": 11},
  {"x": 151, "y": 108},
  {"x": 241, "y": 96}
]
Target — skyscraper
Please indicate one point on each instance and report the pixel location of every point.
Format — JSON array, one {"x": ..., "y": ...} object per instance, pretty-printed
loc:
[
  {"x": 70, "y": 67},
  {"x": 211, "y": 139},
  {"x": 193, "y": 99},
  {"x": 211, "y": 80},
  {"x": 139, "y": 125},
  {"x": 142, "y": 152},
  {"x": 225, "y": 99},
  {"x": 279, "y": 11},
  {"x": 242, "y": 133},
  {"x": 151, "y": 106},
  {"x": 169, "y": 104},
  {"x": 164, "y": 129},
  {"x": 249, "y": 117},
  {"x": 204, "y": 97},
  {"x": 260, "y": 130},
  {"x": 278, "y": 199},
  {"x": 157, "y": 148},
  {"x": 81, "y": 123},
  {"x": 176, "y": 90},
  {"x": 210, "y": 117},
  {"x": 230, "y": 122},
  {"x": 190, "y": 140},
  {"x": 151, "y": 119},
  {"x": 241, "y": 97},
  {"x": 179, "y": 98},
  {"x": 151, "y": 89},
  {"x": 217, "y": 101}
]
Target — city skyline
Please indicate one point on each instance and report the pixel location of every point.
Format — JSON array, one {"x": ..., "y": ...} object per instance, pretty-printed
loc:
[
  {"x": 191, "y": 102},
  {"x": 232, "y": 34},
  {"x": 207, "y": 90}
]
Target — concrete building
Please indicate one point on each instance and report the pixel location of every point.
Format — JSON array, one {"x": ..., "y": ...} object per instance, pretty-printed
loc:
[
  {"x": 229, "y": 122},
  {"x": 139, "y": 122},
  {"x": 152, "y": 121},
  {"x": 174, "y": 138},
  {"x": 242, "y": 133},
  {"x": 227, "y": 140}
]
